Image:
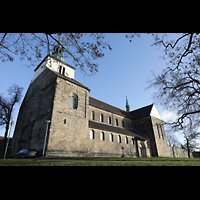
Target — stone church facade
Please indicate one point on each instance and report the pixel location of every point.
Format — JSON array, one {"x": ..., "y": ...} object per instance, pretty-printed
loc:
[{"x": 80, "y": 125}]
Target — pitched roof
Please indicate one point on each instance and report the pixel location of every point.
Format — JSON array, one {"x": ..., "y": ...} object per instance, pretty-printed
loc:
[
  {"x": 114, "y": 129},
  {"x": 141, "y": 112},
  {"x": 104, "y": 106},
  {"x": 135, "y": 114}
]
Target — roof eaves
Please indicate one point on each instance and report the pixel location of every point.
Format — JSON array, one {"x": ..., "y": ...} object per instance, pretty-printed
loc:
[
  {"x": 71, "y": 80},
  {"x": 110, "y": 128}
]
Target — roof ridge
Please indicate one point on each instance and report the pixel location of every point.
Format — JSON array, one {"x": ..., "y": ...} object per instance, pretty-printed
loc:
[{"x": 143, "y": 107}]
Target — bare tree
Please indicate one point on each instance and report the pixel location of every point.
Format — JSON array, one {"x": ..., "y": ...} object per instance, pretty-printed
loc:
[
  {"x": 6, "y": 108},
  {"x": 179, "y": 83},
  {"x": 190, "y": 144},
  {"x": 83, "y": 48}
]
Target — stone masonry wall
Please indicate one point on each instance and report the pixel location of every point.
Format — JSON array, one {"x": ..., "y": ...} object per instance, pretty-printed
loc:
[
  {"x": 161, "y": 143},
  {"x": 69, "y": 127},
  {"x": 35, "y": 109}
]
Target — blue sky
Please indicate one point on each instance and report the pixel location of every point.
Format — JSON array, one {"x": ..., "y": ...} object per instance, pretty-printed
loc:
[{"x": 122, "y": 72}]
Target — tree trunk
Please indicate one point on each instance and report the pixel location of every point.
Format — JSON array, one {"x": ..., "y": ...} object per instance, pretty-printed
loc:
[
  {"x": 5, "y": 139},
  {"x": 188, "y": 148}
]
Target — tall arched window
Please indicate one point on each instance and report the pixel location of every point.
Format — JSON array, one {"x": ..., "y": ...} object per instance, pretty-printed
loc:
[
  {"x": 132, "y": 141},
  {"x": 123, "y": 125},
  {"x": 161, "y": 132},
  {"x": 119, "y": 138},
  {"x": 109, "y": 120},
  {"x": 102, "y": 136},
  {"x": 74, "y": 101},
  {"x": 92, "y": 115},
  {"x": 158, "y": 130},
  {"x": 92, "y": 134},
  {"x": 101, "y": 117},
  {"x": 126, "y": 140},
  {"x": 111, "y": 137},
  {"x": 116, "y": 122},
  {"x": 60, "y": 69}
]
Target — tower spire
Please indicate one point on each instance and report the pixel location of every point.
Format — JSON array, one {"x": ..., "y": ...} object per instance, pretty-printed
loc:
[
  {"x": 58, "y": 51},
  {"x": 127, "y": 105}
]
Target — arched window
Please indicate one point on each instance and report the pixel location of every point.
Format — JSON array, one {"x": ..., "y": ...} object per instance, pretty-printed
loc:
[
  {"x": 158, "y": 131},
  {"x": 123, "y": 125},
  {"x": 161, "y": 132},
  {"x": 119, "y": 138},
  {"x": 92, "y": 134},
  {"x": 111, "y": 137},
  {"x": 126, "y": 140},
  {"x": 101, "y": 117},
  {"x": 60, "y": 69},
  {"x": 132, "y": 141},
  {"x": 92, "y": 115},
  {"x": 109, "y": 120},
  {"x": 65, "y": 121},
  {"x": 116, "y": 122},
  {"x": 74, "y": 101},
  {"x": 102, "y": 136},
  {"x": 63, "y": 72}
]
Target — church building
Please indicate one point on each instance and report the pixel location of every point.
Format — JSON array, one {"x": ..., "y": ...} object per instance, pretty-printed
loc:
[{"x": 59, "y": 118}]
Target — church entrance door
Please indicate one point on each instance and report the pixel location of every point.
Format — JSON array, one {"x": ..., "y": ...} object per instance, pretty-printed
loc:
[{"x": 143, "y": 149}]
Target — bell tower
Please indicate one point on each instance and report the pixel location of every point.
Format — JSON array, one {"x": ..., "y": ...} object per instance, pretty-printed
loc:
[
  {"x": 56, "y": 63},
  {"x": 57, "y": 52}
]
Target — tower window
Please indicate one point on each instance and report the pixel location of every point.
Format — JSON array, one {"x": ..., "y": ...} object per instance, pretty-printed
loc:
[
  {"x": 63, "y": 72},
  {"x": 74, "y": 101},
  {"x": 60, "y": 69}
]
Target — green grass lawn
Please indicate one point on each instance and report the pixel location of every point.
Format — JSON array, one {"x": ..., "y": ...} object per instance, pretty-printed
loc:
[{"x": 102, "y": 161}]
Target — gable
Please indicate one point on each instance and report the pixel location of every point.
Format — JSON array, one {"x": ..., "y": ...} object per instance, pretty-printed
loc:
[
  {"x": 141, "y": 112},
  {"x": 154, "y": 113}
]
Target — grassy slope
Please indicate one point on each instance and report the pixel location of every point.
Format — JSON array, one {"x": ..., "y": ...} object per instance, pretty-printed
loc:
[{"x": 99, "y": 161}]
